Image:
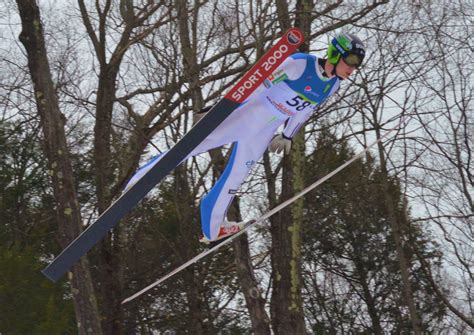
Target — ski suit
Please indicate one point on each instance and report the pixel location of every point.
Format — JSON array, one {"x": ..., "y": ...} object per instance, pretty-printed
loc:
[{"x": 289, "y": 96}]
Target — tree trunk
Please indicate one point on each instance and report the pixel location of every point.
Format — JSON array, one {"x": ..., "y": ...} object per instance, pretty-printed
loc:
[
  {"x": 248, "y": 283},
  {"x": 286, "y": 302},
  {"x": 252, "y": 293},
  {"x": 102, "y": 135},
  {"x": 110, "y": 265},
  {"x": 190, "y": 63},
  {"x": 56, "y": 151}
]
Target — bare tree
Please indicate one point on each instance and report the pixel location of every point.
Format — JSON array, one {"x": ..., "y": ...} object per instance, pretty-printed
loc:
[
  {"x": 57, "y": 152},
  {"x": 426, "y": 100},
  {"x": 441, "y": 177}
]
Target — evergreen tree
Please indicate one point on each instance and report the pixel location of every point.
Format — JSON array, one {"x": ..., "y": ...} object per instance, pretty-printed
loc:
[
  {"x": 351, "y": 275},
  {"x": 29, "y": 303}
]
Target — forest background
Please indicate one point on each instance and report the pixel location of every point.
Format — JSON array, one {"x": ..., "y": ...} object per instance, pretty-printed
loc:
[{"x": 92, "y": 89}]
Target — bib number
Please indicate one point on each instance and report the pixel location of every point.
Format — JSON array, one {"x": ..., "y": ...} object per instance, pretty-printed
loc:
[{"x": 298, "y": 103}]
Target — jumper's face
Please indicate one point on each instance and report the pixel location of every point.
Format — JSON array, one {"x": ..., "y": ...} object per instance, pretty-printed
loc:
[{"x": 344, "y": 70}]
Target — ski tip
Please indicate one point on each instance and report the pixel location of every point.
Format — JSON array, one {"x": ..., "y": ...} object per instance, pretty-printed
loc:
[{"x": 124, "y": 301}]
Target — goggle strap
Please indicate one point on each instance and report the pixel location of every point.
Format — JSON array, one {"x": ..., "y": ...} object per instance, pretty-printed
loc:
[{"x": 339, "y": 47}]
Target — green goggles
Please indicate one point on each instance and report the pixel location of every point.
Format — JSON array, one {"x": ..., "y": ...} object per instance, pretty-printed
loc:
[{"x": 353, "y": 59}]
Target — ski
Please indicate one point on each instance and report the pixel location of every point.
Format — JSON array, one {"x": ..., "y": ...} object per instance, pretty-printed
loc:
[
  {"x": 262, "y": 218},
  {"x": 267, "y": 64}
]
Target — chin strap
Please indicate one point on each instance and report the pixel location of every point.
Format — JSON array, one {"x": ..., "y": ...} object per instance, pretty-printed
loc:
[{"x": 333, "y": 72}]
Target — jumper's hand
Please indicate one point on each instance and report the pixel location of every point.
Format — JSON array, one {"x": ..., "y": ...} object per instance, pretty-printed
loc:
[{"x": 280, "y": 143}]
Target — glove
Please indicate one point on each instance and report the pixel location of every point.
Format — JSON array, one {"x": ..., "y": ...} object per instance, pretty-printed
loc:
[{"x": 280, "y": 143}]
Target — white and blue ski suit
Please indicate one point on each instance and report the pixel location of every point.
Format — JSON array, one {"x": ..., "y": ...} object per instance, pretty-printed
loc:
[{"x": 289, "y": 96}]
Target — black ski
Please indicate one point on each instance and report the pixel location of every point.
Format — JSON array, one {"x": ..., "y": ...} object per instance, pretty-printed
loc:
[{"x": 117, "y": 210}]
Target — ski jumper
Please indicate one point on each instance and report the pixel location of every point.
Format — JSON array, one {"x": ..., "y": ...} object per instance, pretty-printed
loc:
[{"x": 289, "y": 96}]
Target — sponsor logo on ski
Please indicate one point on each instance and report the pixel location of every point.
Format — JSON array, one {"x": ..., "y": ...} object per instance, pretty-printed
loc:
[
  {"x": 269, "y": 62},
  {"x": 247, "y": 85},
  {"x": 294, "y": 37},
  {"x": 266, "y": 66}
]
